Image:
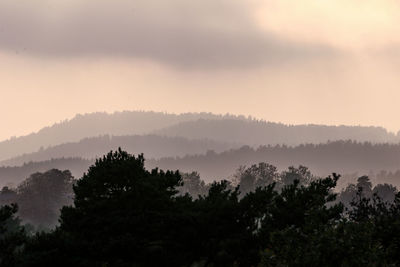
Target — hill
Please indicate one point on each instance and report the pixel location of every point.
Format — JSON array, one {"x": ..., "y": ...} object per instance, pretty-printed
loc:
[
  {"x": 256, "y": 132},
  {"x": 152, "y": 146},
  {"x": 344, "y": 157},
  {"x": 221, "y": 128},
  {"x": 97, "y": 124}
]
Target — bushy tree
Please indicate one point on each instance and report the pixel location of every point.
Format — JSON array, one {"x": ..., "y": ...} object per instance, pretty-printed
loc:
[
  {"x": 296, "y": 226},
  {"x": 260, "y": 175},
  {"x": 7, "y": 196},
  {"x": 193, "y": 185},
  {"x": 364, "y": 190},
  {"x": 41, "y": 196},
  {"x": 365, "y": 184},
  {"x": 386, "y": 192},
  {"x": 302, "y": 174}
]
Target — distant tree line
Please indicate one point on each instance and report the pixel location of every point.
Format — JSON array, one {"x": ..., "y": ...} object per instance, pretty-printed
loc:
[
  {"x": 257, "y": 132},
  {"x": 264, "y": 174},
  {"x": 379, "y": 161},
  {"x": 346, "y": 157}
]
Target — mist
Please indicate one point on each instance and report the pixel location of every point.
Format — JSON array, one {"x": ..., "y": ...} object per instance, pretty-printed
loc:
[{"x": 209, "y": 133}]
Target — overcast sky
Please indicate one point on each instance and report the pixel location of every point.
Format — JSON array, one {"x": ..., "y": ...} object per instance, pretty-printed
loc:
[{"x": 309, "y": 61}]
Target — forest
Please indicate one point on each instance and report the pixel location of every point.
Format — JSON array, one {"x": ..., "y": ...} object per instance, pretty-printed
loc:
[
  {"x": 213, "y": 145},
  {"x": 231, "y": 129},
  {"x": 121, "y": 214}
]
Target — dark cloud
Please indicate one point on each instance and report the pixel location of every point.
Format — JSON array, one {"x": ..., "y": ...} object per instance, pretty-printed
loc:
[{"x": 181, "y": 33}]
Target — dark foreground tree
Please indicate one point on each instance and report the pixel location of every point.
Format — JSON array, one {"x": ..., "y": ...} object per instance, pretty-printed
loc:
[
  {"x": 12, "y": 235},
  {"x": 124, "y": 215}
]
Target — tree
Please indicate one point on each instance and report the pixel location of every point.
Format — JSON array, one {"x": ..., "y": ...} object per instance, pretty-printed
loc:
[
  {"x": 301, "y": 174},
  {"x": 364, "y": 189},
  {"x": 261, "y": 175},
  {"x": 295, "y": 228},
  {"x": 123, "y": 215},
  {"x": 12, "y": 235},
  {"x": 193, "y": 185},
  {"x": 224, "y": 236},
  {"x": 386, "y": 192},
  {"x": 365, "y": 184},
  {"x": 347, "y": 195},
  {"x": 7, "y": 196},
  {"x": 41, "y": 196}
]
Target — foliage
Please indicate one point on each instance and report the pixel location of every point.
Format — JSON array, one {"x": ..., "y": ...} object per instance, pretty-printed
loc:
[
  {"x": 193, "y": 185},
  {"x": 364, "y": 189},
  {"x": 255, "y": 176},
  {"x": 12, "y": 235},
  {"x": 264, "y": 174},
  {"x": 41, "y": 196},
  {"x": 125, "y": 215}
]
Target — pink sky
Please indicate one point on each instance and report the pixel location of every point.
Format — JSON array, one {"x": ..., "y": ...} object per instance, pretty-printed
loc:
[{"x": 328, "y": 62}]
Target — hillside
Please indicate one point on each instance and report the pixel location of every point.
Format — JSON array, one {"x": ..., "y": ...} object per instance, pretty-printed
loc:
[
  {"x": 220, "y": 128},
  {"x": 256, "y": 133},
  {"x": 152, "y": 146},
  {"x": 344, "y": 157},
  {"x": 96, "y": 124}
]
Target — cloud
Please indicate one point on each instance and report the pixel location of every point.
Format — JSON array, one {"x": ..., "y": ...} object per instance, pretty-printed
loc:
[{"x": 178, "y": 33}]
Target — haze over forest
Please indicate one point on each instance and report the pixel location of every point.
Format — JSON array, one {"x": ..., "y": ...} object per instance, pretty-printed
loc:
[
  {"x": 213, "y": 145},
  {"x": 199, "y": 133}
]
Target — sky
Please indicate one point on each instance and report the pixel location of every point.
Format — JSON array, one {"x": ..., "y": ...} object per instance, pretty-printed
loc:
[{"x": 311, "y": 61}]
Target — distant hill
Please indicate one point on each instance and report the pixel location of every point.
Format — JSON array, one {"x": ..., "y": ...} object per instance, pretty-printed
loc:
[
  {"x": 220, "y": 128},
  {"x": 152, "y": 146},
  {"x": 344, "y": 157},
  {"x": 256, "y": 133},
  {"x": 97, "y": 124}
]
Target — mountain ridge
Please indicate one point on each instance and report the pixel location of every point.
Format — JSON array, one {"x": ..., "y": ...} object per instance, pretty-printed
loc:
[
  {"x": 96, "y": 124},
  {"x": 193, "y": 126}
]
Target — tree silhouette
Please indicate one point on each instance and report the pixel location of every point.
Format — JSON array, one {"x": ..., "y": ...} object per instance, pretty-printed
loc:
[
  {"x": 125, "y": 215},
  {"x": 12, "y": 235}
]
